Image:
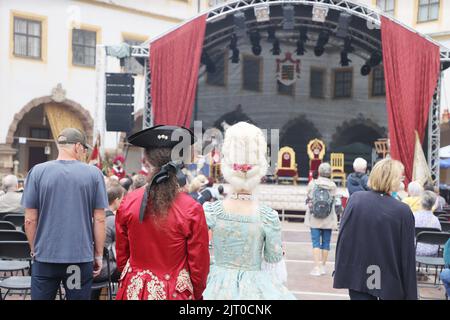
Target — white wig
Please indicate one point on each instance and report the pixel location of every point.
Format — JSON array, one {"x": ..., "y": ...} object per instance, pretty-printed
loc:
[
  {"x": 360, "y": 165},
  {"x": 244, "y": 144}
]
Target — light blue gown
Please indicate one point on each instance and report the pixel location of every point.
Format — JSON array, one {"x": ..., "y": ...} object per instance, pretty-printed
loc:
[{"x": 240, "y": 243}]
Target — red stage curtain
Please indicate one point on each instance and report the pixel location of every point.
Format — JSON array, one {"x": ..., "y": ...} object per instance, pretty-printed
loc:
[
  {"x": 411, "y": 69},
  {"x": 174, "y": 65}
]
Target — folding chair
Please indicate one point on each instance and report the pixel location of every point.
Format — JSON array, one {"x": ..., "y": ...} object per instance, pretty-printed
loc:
[
  {"x": 6, "y": 225},
  {"x": 17, "y": 219},
  {"x": 433, "y": 238},
  {"x": 438, "y": 213},
  {"x": 419, "y": 230},
  {"x": 108, "y": 282},
  {"x": 15, "y": 250},
  {"x": 3, "y": 214},
  {"x": 445, "y": 216},
  {"x": 445, "y": 225}
]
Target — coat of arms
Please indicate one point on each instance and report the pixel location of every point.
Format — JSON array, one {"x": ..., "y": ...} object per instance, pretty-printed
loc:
[{"x": 288, "y": 69}]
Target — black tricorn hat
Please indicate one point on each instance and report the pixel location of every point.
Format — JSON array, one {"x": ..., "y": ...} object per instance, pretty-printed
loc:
[{"x": 161, "y": 136}]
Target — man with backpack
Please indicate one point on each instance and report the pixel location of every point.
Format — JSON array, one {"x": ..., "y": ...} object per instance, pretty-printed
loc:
[{"x": 321, "y": 216}]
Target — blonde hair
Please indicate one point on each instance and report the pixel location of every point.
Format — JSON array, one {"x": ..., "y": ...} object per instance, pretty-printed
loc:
[
  {"x": 386, "y": 176},
  {"x": 197, "y": 183},
  {"x": 244, "y": 144}
]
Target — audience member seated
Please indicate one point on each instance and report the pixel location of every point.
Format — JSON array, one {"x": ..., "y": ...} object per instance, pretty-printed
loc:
[
  {"x": 440, "y": 201},
  {"x": 426, "y": 219},
  {"x": 413, "y": 200},
  {"x": 139, "y": 181},
  {"x": 10, "y": 200},
  {"x": 357, "y": 181},
  {"x": 115, "y": 196}
]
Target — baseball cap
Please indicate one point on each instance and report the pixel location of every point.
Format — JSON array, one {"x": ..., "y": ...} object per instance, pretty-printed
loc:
[{"x": 72, "y": 136}]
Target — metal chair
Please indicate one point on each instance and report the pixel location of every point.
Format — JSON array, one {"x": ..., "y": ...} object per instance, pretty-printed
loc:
[
  {"x": 438, "y": 213},
  {"x": 15, "y": 250},
  {"x": 12, "y": 266},
  {"x": 444, "y": 217},
  {"x": 445, "y": 225},
  {"x": 420, "y": 229},
  {"x": 433, "y": 238},
  {"x": 108, "y": 282},
  {"x": 6, "y": 225},
  {"x": 17, "y": 219},
  {"x": 3, "y": 214}
]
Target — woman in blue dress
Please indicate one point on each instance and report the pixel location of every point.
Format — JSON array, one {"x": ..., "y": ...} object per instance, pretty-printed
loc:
[{"x": 247, "y": 244}]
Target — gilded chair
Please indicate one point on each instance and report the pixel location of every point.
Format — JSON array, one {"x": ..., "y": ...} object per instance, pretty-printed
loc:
[
  {"x": 286, "y": 165},
  {"x": 316, "y": 152},
  {"x": 337, "y": 167}
]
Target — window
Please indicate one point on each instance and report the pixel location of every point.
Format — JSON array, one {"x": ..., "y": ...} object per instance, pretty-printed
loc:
[
  {"x": 39, "y": 133},
  {"x": 428, "y": 10},
  {"x": 388, "y": 6},
  {"x": 378, "y": 86},
  {"x": 343, "y": 82},
  {"x": 83, "y": 47},
  {"x": 217, "y": 78},
  {"x": 131, "y": 63},
  {"x": 251, "y": 73},
  {"x": 285, "y": 90},
  {"x": 27, "y": 38},
  {"x": 316, "y": 83}
]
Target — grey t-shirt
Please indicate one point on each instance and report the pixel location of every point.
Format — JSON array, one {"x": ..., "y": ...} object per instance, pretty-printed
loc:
[{"x": 66, "y": 193}]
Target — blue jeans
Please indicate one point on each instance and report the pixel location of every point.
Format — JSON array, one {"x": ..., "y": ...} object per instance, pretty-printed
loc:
[
  {"x": 76, "y": 277},
  {"x": 445, "y": 277},
  {"x": 321, "y": 234}
]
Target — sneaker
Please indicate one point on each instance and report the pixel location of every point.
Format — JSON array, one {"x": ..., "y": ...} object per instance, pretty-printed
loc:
[
  {"x": 315, "y": 272},
  {"x": 323, "y": 270}
]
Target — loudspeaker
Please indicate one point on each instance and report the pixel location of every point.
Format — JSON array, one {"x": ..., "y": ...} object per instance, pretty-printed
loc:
[
  {"x": 343, "y": 25},
  {"x": 119, "y": 102}
]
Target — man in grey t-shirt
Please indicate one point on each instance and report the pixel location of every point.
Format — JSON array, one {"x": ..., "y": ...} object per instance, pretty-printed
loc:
[{"x": 65, "y": 203}]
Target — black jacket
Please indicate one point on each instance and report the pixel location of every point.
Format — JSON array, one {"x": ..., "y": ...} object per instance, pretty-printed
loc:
[{"x": 377, "y": 232}]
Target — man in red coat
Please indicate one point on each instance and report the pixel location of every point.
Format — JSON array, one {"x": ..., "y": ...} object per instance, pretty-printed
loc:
[{"x": 161, "y": 232}]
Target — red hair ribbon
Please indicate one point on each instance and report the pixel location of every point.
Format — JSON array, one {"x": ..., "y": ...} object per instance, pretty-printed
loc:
[{"x": 242, "y": 167}]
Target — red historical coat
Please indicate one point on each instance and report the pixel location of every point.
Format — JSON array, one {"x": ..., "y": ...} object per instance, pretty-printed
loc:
[{"x": 161, "y": 260}]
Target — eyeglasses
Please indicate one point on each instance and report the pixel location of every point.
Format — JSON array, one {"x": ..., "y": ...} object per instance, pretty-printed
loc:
[{"x": 85, "y": 148}]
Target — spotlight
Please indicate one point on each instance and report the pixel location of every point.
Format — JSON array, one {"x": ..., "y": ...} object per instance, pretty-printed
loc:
[
  {"x": 271, "y": 34},
  {"x": 207, "y": 61},
  {"x": 343, "y": 25},
  {"x": 276, "y": 48},
  {"x": 235, "y": 56},
  {"x": 319, "y": 13},
  {"x": 255, "y": 39},
  {"x": 345, "y": 61},
  {"x": 348, "y": 45},
  {"x": 375, "y": 59},
  {"x": 233, "y": 42},
  {"x": 324, "y": 36},
  {"x": 365, "y": 70},
  {"x": 288, "y": 17},
  {"x": 300, "y": 48},
  {"x": 304, "y": 34}
]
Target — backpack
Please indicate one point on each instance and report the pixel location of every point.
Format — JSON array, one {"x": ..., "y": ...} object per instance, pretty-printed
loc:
[{"x": 322, "y": 202}]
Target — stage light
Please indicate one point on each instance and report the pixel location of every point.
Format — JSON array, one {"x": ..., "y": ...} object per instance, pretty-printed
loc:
[
  {"x": 255, "y": 39},
  {"x": 300, "y": 48},
  {"x": 233, "y": 42},
  {"x": 276, "y": 48},
  {"x": 304, "y": 34},
  {"x": 271, "y": 34},
  {"x": 288, "y": 17},
  {"x": 235, "y": 56},
  {"x": 324, "y": 36},
  {"x": 365, "y": 70},
  {"x": 348, "y": 45},
  {"x": 343, "y": 25},
  {"x": 262, "y": 13},
  {"x": 319, "y": 13},
  {"x": 375, "y": 59},
  {"x": 239, "y": 23},
  {"x": 207, "y": 61},
  {"x": 345, "y": 61}
]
